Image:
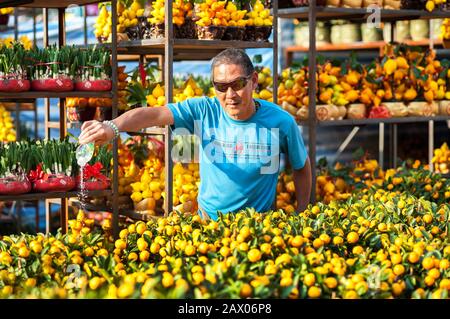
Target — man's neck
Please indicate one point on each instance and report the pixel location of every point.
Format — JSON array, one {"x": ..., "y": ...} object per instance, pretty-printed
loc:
[{"x": 253, "y": 111}]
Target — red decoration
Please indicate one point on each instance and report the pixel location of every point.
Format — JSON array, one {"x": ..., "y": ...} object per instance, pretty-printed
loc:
[
  {"x": 142, "y": 73},
  {"x": 43, "y": 182},
  {"x": 93, "y": 178},
  {"x": 379, "y": 112}
]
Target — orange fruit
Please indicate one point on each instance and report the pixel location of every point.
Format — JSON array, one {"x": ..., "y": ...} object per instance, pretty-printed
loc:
[
  {"x": 314, "y": 292},
  {"x": 254, "y": 255},
  {"x": 428, "y": 263},
  {"x": 331, "y": 282},
  {"x": 246, "y": 291},
  {"x": 352, "y": 237},
  {"x": 309, "y": 279}
]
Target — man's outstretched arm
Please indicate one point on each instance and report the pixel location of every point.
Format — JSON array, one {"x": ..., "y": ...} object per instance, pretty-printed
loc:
[{"x": 131, "y": 121}]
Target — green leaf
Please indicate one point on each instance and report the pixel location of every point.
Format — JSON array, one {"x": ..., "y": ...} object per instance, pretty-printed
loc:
[{"x": 257, "y": 59}]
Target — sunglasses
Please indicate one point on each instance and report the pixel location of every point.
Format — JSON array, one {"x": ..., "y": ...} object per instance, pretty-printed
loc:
[{"x": 236, "y": 85}]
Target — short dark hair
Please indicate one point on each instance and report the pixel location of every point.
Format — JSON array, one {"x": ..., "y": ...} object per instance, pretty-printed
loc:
[{"x": 233, "y": 56}]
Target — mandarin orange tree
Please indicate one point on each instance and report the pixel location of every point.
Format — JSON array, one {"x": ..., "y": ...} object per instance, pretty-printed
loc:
[{"x": 379, "y": 245}]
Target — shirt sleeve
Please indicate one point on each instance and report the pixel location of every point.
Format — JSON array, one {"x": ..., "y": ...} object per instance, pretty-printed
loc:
[
  {"x": 294, "y": 146},
  {"x": 187, "y": 112}
]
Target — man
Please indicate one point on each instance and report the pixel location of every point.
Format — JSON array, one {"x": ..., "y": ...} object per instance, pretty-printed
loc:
[{"x": 241, "y": 139}]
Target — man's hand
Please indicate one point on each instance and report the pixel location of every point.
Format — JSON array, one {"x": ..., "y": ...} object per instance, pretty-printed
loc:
[{"x": 97, "y": 132}]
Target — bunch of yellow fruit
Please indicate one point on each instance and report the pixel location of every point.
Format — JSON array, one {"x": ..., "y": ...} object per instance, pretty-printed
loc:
[
  {"x": 128, "y": 170},
  {"x": 79, "y": 226},
  {"x": 265, "y": 81},
  {"x": 158, "y": 97},
  {"x": 329, "y": 189},
  {"x": 220, "y": 13},
  {"x": 122, "y": 92},
  {"x": 150, "y": 186},
  {"x": 189, "y": 90},
  {"x": 9, "y": 10},
  {"x": 432, "y": 4},
  {"x": 180, "y": 10},
  {"x": 103, "y": 23},
  {"x": 186, "y": 182},
  {"x": 128, "y": 17},
  {"x": 259, "y": 16},
  {"x": 7, "y": 132},
  {"x": 441, "y": 159},
  {"x": 445, "y": 29}
]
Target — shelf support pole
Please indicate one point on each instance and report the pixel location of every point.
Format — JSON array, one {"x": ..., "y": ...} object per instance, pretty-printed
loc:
[
  {"x": 312, "y": 15},
  {"x": 46, "y": 116},
  {"x": 395, "y": 145},
  {"x": 275, "y": 52},
  {"x": 64, "y": 214},
  {"x": 168, "y": 82},
  {"x": 114, "y": 67},
  {"x": 381, "y": 145}
]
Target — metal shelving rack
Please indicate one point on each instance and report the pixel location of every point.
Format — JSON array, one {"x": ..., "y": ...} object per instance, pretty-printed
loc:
[
  {"x": 312, "y": 14},
  {"x": 171, "y": 50},
  {"x": 62, "y": 125},
  {"x": 357, "y": 46},
  {"x": 176, "y": 50}
]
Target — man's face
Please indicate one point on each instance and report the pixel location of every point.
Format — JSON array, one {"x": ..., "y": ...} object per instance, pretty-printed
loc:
[{"x": 237, "y": 87}]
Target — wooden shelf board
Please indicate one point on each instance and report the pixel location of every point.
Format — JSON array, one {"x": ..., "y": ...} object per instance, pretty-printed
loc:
[
  {"x": 392, "y": 120},
  {"x": 358, "y": 46},
  {"x": 330, "y": 13},
  {"x": 37, "y": 95},
  {"x": 53, "y": 3},
  {"x": 183, "y": 49},
  {"x": 11, "y": 106},
  {"x": 39, "y": 196}
]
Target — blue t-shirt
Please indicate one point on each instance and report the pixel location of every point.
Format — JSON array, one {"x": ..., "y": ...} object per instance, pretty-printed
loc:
[{"x": 239, "y": 160}]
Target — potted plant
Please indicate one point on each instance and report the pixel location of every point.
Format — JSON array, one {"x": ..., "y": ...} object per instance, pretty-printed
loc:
[
  {"x": 13, "y": 73},
  {"x": 52, "y": 69},
  {"x": 56, "y": 166},
  {"x": 15, "y": 161},
  {"x": 94, "y": 70}
]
